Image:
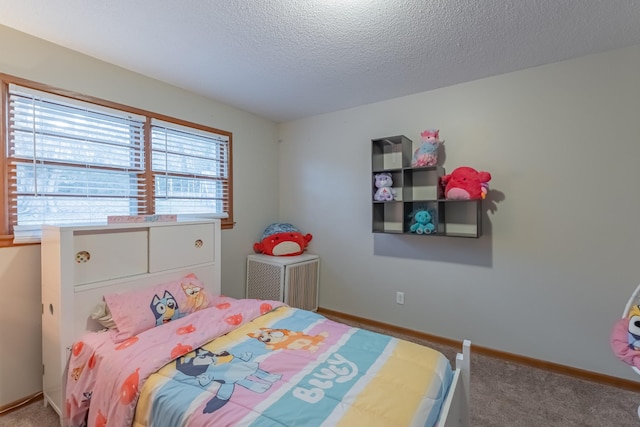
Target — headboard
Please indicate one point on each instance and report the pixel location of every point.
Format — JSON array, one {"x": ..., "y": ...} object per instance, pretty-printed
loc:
[{"x": 80, "y": 264}]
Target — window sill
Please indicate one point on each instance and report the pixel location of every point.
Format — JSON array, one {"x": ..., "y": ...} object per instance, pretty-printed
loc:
[{"x": 6, "y": 241}]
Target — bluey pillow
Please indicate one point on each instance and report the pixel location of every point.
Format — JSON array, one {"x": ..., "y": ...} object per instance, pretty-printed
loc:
[{"x": 136, "y": 311}]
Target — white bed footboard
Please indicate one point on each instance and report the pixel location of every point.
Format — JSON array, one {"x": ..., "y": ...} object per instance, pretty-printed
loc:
[{"x": 455, "y": 409}]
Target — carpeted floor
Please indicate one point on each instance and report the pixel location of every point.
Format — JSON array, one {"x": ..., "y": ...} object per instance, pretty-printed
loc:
[
  {"x": 503, "y": 394},
  {"x": 32, "y": 415}
]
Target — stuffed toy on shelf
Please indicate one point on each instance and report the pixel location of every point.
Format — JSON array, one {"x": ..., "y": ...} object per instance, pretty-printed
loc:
[
  {"x": 423, "y": 222},
  {"x": 466, "y": 183},
  {"x": 282, "y": 239},
  {"x": 427, "y": 153},
  {"x": 384, "y": 192}
]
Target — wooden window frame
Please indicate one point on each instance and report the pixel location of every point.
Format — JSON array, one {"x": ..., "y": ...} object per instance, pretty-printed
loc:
[{"x": 6, "y": 239}]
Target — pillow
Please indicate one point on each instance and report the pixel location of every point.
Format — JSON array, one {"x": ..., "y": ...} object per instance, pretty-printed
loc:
[
  {"x": 102, "y": 315},
  {"x": 136, "y": 311}
]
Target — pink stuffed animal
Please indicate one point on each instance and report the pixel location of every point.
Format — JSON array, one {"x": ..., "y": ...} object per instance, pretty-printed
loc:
[{"x": 427, "y": 153}]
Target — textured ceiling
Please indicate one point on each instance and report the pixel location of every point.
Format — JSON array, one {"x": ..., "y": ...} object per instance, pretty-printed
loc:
[{"x": 288, "y": 59}]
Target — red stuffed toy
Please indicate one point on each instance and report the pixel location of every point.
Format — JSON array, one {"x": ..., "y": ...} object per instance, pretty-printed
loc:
[
  {"x": 466, "y": 183},
  {"x": 282, "y": 240}
]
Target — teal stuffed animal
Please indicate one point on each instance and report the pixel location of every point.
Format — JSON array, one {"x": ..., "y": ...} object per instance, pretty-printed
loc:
[{"x": 423, "y": 222}]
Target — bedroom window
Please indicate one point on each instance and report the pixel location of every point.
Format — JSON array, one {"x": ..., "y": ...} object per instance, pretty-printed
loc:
[
  {"x": 189, "y": 169},
  {"x": 70, "y": 160}
]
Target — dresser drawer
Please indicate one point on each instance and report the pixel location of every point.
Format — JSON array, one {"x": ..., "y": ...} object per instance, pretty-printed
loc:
[
  {"x": 109, "y": 255},
  {"x": 179, "y": 246}
]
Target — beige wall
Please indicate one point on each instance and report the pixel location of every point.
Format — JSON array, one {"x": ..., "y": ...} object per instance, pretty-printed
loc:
[
  {"x": 561, "y": 251},
  {"x": 20, "y": 315},
  {"x": 255, "y": 195}
]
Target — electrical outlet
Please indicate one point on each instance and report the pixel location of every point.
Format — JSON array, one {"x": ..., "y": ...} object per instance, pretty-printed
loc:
[{"x": 400, "y": 297}]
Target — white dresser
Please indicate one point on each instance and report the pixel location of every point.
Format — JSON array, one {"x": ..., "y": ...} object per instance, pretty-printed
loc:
[{"x": 80, "y": 264}]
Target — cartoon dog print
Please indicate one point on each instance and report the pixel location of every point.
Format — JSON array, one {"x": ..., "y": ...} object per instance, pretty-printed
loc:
[
  {"x": 228, "y": 370},
  {"x": 280, "y": 339},
  {"x": 196, "y": 297},
  {"x": 165, "y": 309}
]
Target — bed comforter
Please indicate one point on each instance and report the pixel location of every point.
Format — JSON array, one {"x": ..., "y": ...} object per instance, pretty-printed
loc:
[{"x": 254, "y": 363}]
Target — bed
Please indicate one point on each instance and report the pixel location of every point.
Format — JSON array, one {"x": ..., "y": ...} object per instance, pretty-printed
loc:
[{"x": 198, "y": 358}]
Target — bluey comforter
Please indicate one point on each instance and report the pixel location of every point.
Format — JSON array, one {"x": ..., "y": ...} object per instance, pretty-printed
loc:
[{"x": 255, "y": 363}]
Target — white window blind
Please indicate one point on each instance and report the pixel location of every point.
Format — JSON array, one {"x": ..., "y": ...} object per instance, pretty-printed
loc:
[
  {"x": 190, "y": 169},
  {"x": 70, "y": 161}
]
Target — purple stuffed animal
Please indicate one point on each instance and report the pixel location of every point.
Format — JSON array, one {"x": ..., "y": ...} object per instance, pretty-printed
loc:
[{"x": 384, "y": 192}]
